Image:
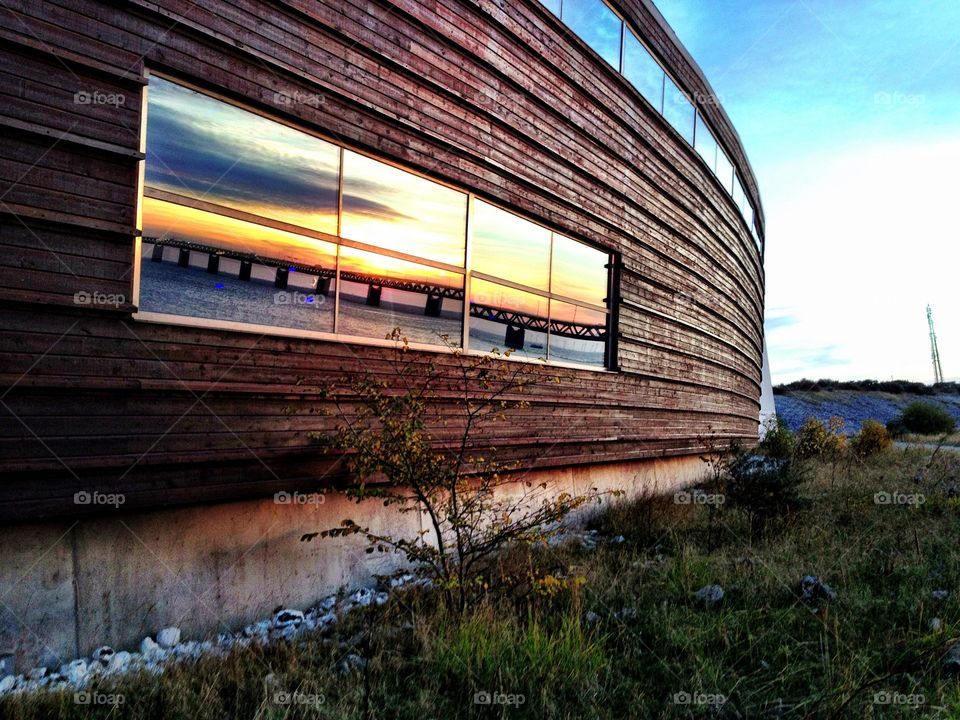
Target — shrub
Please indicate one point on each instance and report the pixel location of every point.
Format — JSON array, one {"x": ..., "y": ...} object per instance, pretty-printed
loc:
[
  {"x": 927, "y": 419},
  {"x": 779, "y": 441},
  {"x": 766, "y": 488},
  {"x": 812, "y": 439},
  {"x": 815, "y": 440},
  {"x": 896, "y": 428},
  {"x": 872, "y": 439},
  {"x": 470, "y": 507}
]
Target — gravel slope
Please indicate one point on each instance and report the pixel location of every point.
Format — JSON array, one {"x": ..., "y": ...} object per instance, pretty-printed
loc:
[{"x": 853, "y": 406}]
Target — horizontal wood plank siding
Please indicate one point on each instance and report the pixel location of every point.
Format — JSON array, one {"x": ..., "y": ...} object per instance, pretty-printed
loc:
[{"x": 495, "y": 98}]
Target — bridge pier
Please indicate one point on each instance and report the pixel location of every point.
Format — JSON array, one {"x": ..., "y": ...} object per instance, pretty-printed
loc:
[
  {"x": 323, "y": 286},
  {"x": 514, "y": 337},
  {"x": 157, "y": 254},
  {"x": 373, "y": 295},
  {"x": 184, "y": 259},
  {"x": 283, "y": 277},
  {"x": 434, "y": 306},
  {"x": 213, "y": 264},
  {"x": 245, "y": 269}
]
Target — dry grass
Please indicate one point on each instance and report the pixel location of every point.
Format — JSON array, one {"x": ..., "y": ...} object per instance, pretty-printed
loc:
[{"x": 571, "y": 652}]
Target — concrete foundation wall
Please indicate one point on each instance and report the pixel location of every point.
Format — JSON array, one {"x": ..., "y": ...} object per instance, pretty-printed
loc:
[{"x": 67, "y": 587}]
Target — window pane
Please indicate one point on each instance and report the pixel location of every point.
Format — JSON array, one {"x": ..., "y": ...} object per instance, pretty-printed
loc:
[
  {"x": 210, "y": 150},
  {"x": 397, "y": 210},
  {"x": 706, "y": 145},
  {"x": 677, "y": 110},
  {"x": 738, "y": 195},
  {"x": 597, "y": 25},
  {"x": 501, "y": 317},
  {"x": 509, "y": 247},
  {"x": 577, "y": 334},
  {"x": 199, "y": 264},
  {"x": 379, "y": 293},
  {"x": 724, "y": 171},
  {"x": 642, "y": 70},
  {"x": 579, "y": 271},
  {"x": 748, "y": 214}
]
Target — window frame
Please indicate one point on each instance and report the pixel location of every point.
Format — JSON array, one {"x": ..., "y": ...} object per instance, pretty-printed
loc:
[{"x": 464, "y": 271}]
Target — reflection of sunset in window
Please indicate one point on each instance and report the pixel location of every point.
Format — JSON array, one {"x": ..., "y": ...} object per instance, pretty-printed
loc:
[
  {"x": 509, "y": 247},
  {"x": 397, "y": 210},
  {"x": 507, "y": 298},
  {"x": 577, "y": 314},
  {"x": 210, "y": 150},
  {"x": 177, "y": 222},
  {"x": 209, "y": 263},
  {"x": 367, "y": 263},
  {"x": 579, "y": 271}
]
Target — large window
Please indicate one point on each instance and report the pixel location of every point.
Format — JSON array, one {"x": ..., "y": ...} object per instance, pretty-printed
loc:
[
  {"x": 535, "y": 291},
  {"x": 247, "y": 220}
]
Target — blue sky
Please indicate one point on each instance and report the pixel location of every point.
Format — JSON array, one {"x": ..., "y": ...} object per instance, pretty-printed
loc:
[{"x": 850, "y": 113}]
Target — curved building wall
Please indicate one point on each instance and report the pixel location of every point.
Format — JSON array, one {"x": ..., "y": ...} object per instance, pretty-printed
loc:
[
  {"x": 499, "y": 140},
  {"x": 499, "y": 102}
]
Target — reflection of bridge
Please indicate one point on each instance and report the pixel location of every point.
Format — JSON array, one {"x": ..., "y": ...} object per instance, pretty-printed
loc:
[
  {"x": 539, "y": 324},
  {"x": 435, "y": 293},
  {"x": 516, "y": 322}
]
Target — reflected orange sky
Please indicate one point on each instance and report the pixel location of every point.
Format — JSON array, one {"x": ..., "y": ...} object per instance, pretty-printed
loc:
[{"x": 162, "y": 219}]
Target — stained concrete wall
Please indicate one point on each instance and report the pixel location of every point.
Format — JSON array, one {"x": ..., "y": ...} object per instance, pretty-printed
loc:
[{"x": 67, "y": 587}]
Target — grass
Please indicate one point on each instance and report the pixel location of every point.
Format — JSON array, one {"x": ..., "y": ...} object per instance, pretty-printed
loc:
[
  {"x": 952, "y": 439},
  {"x": 764, "y": 650}
]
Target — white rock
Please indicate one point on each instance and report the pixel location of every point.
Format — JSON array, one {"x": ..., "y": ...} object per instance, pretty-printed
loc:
[
  {"x": 935, "y": 624},
  {"x": 951, "y": 663},
  {"x": 709, "y": 595},
  {"x": 399, "y": 582},
  {"x": 119, "y": 662},
  {"x": 36, "y": 673},
  {"x": 168, "y": 637},
  {"x": 288, "y": 632},
  {"x": 75, "y": 671},
  {"x": 328, "y": 602},
  {"x": 103, "y": 655},
  {"x": 187, "y": 651},
  {"x": 812, "y": 588},
  {"x": 380, "y": 598},
  {"x": 257, "y": 629},
  {"x": 350, "y": 662},
  {"x": 7, "y": 683},
  {"x": 362, "y": 597},
  {"x": 147, "y": 645},
  {"x": 287, "y": 618}
]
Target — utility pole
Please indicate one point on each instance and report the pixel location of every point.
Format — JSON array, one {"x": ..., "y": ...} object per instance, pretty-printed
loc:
[{"x": 934, "y": 352}]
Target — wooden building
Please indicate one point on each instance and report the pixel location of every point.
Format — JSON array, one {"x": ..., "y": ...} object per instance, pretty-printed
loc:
[{"x": 208, "y": 210}]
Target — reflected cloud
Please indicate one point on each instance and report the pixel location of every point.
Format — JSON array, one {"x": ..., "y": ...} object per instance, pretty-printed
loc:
[
  {"x": 397, "y": 210},
  {"x": 211, "y": 150}
]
